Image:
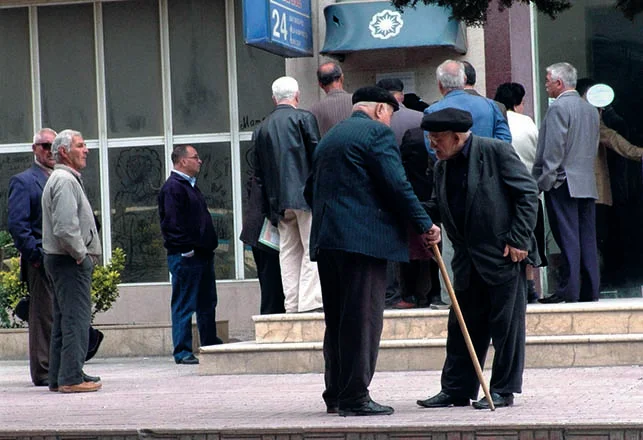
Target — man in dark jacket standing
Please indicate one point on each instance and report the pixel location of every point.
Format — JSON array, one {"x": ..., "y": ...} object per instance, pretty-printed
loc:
[
  {"x": 284, "y": 144},
  {"x": 487, "y": 203},
  {"x": 362, "y": 204},
  {"x": 190, "y": 240}
]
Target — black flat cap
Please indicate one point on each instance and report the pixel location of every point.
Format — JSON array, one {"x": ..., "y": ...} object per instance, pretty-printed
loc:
[
  {"x": 375, "y": 94},
  {"x": 391, "y": 84},
  {"x": 448, "y": 119}
]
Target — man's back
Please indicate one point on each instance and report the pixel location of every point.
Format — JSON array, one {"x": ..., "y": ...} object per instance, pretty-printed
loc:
[
  {"x": 567, "y": 146},
  {"x": 284, "y": 144},
  {"x": 335, "y": 107},
  {"x": 487, "y": 119}
]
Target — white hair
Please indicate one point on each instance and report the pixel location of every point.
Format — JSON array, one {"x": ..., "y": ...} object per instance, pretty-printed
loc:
[
  {"x": 564, "y": 72},
  {"x": 63, "y": 139},
  {"x": 285, "y": 87},
  {"x": 451, "y": 75},
  {"x": 37, "y": 138}
]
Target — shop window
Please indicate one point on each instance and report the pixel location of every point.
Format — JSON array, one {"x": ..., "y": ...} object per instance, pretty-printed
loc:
[
  {"x": 136, "y": 175},
  {"x": 10, "y": 165},
  {"x": 247, "y": 169},
  {"x": 133, "y": 69},
  {"x": 215, "y": 182},
  {"x": 256, "y": 70},
  {"x": 197, "y": 31},
  {"x": 15, "y": 80},
  {"x": 67, "y": 68}
]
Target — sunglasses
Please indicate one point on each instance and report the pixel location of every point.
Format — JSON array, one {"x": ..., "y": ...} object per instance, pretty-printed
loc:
[{"x": 45, "y": 145}]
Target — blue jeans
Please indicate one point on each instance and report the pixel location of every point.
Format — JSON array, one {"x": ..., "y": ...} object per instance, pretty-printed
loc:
[{"x": 193, "y": 290}]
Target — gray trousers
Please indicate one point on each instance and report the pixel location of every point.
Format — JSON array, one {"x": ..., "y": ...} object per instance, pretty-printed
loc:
[
  {"x": 40, "y": 321},
  {"x": 72, "y": 317}
]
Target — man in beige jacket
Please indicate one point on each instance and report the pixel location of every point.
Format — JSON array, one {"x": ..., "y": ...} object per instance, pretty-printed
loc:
[{"x": 71, "y": 248}]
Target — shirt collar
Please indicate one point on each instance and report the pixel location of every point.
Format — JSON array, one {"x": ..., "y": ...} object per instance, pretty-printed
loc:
[
  {"x": 47, "y": 170},
  {"x": 191, "y": 180}
]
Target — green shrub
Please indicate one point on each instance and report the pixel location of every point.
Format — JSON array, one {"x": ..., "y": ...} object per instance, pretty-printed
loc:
[{"x": 105, "y": 281}]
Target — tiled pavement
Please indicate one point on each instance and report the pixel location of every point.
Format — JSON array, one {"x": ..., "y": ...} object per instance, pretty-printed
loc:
[{"x": 154, "y": 398}]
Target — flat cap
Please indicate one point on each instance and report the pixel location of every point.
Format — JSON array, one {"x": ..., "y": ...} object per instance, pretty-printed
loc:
[
  {"x": 391, "y": 84},
  {"x": 448, "y": 119},
  {"x": 375, "y": 94}
]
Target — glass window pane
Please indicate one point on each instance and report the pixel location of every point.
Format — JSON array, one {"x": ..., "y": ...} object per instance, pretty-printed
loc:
[
  {"x": 15, "y": 81},
  {"x": 247, "y": 168},
  {"x": 133, "y": 69},
  {"x": 256, "y": 70},
  {"x": 199, "y": 71},
  {"x": 215, "y": 182},
  {"x": 91, "y": 181},
  {"x": 67, "y": 69},
  {"x": 10, "y": 165},
  {"x": 135, "y": 178}
]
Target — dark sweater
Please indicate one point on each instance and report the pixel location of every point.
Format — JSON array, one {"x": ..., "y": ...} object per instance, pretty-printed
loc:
[{"x": 186, "y": 223}]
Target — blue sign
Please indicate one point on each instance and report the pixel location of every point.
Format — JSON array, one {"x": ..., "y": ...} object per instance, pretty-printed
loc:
[{"x": 283, "y": 27}]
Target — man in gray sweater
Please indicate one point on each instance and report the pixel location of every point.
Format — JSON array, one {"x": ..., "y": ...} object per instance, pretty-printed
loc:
[{"x": 71, "y": 248}]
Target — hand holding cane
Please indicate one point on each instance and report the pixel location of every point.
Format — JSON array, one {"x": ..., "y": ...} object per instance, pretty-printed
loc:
[{"x": 463, "y": 326}]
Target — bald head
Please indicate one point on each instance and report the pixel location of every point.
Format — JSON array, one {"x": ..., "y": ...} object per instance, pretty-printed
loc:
[{"x": 330, "y": 76}]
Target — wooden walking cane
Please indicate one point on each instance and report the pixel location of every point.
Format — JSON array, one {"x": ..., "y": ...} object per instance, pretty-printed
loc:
[{"x": 463, "y": 325}]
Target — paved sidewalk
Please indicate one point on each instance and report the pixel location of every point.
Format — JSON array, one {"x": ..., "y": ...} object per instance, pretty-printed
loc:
[{"x": 156, "y": 394}]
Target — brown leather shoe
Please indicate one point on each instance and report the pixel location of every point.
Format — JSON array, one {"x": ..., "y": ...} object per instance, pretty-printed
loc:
[
  {"x": 403, "y": 305},
  {"x": 84, "y": 387}
]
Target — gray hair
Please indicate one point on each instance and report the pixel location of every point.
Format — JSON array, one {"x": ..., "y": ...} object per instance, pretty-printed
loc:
[
  {"x": 63, "y": 139},
  {"x": 450, "y": 75},
  {"x": 564, "y": 72},
  {"x": 285, "y": 87},
  {"x": 38, "y": 136}
]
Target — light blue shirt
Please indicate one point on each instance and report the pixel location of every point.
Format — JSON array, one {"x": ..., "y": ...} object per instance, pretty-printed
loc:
[{"x": 192, "y": 180}]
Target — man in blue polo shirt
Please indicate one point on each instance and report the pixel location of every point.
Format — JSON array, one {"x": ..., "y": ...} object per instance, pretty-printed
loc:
[{"x": 190, "y": 240}]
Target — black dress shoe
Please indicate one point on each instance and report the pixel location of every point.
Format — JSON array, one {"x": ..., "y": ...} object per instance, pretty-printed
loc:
[
  {"x": 554, "y": 299},
  {"x": 369, "y": 408},
  {"x": 499, "y": 401},
  {"x": 188, "y": 360},
  {"x": 442, "y": 400},
  {"x": 42, "y": 383},
  {"x": 331, "y": 409},
  {"x": 88, "y": 378}
]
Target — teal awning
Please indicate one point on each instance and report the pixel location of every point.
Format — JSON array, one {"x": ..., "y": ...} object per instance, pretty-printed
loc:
[{"x": 354, "y": 26}]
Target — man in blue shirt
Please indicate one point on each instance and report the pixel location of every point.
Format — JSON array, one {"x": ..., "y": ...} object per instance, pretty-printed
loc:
[
  {"x": 190, "y": 240},
  {"x": 487, "y": 119}
]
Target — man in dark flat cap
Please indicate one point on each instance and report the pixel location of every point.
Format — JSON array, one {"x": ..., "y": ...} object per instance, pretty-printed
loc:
[
  {"x": 362, "y": 203},
  {"x": 487, "y": 202}
]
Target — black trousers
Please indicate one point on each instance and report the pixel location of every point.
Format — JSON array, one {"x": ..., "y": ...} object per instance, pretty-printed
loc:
[
  {"x": 573, "y": 225},
  {"x": 353, "y": 290},
  {"x": 492, "y": 313},
  {"x": 41, "y": 305},
  {"x": 269, "y": 274}
]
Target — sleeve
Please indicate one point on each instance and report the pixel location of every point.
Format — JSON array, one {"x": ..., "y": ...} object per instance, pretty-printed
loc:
[
  {"x": 19, "y": 223},
  {"x": 553, "y": 152},
  {"x": 311, "y": 136},
  {"x": 385, "y": 162},
  {"x": 614, "y": 141},
  {"x": 500, "y": 126},
  {"x": 65, "y": 220},
  {"x": 524, "y": 194}
]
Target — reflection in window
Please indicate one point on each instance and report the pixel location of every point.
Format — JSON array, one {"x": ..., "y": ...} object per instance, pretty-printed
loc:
[
  {"x": 199, "y": 78},
  {"x": 15, "y": 80},
  {"x": 133, "y": 69},
  {"x": 10, "y": 165},
  {"x": 136, "y": 175},
  {"x": 215, "y": 182},
  {"x": 91, "y": 182},
  {"x": 68, "y": 76},
  {"x": 256, "y": 70},
  {"x": 247, "y": 168}
]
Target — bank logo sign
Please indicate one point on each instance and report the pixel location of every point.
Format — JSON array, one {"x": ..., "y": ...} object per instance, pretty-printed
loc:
[{"x": 386, "y": 24}]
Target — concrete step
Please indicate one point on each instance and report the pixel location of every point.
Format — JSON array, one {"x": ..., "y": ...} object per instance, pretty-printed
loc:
[
  {"x": 620, "y": 316},
  {"x": 120, "y": 340},
  {"x": 420, "y": 354}
]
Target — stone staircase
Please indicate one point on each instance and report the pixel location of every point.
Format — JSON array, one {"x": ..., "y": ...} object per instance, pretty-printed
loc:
[{"x": 605, "y": 333}]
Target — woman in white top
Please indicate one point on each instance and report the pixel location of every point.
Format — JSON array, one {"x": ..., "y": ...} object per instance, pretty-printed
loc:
[{"x": 524, "y": 135}]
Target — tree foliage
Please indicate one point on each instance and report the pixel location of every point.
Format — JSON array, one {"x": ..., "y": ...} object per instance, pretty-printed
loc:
[{"x": 474, "y": 12}]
